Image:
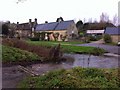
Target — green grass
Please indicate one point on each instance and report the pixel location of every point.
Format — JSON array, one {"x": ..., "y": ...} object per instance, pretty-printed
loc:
[
  {"x": 10, "y": 54},
  {"x": 68, "y": 47},
  {"x": 74, "y": 78},
  {"x": 51, "y": 43}
]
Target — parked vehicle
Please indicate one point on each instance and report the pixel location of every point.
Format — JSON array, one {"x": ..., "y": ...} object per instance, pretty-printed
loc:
[{"x": 118, "y": 43}]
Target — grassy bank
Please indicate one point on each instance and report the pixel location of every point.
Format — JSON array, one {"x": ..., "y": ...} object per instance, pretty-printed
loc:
[
  {"x": 74, "y": 78},
  {"x": 68, "y": 47},
  {"x": 10, "y": 54}
]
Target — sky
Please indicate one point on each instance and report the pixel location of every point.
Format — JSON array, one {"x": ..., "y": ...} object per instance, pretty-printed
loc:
[{"x": 50, "y": 10}]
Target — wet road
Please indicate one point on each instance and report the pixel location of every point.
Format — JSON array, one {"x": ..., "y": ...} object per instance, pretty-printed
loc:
[{"x": 109, "y": 48}]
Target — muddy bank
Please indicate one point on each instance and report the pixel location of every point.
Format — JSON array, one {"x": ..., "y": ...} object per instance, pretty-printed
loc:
[{"x": 11, "y": 76}]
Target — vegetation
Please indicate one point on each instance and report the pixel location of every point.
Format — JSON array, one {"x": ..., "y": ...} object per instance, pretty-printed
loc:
[
  {"x": 94, "y": 38},
  {"x": 68, "y": 47},
  {"x": 56, "y": 35},
  {"x": 47, "y": 54},
  {"x": 52, "y": 43},
  {"x": 34, "y": 39},
  {"x": 74, "y": 78},
  {"x": 63, "y": 37},
  {"x": 5, "y": 30},
  {"x": 10, "y": 54},
  {"x": 107, "y": 38},
  {"x": 83, "y": 50},
  {"x": 97, "y": 51}
]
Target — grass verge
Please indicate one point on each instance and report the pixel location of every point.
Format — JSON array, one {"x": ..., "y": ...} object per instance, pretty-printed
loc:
[{"x": 68, "y": 47}]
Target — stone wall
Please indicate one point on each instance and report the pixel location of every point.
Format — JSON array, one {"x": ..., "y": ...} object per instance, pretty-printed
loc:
[
  {"x": 72, "y": 30},
  {"x": 115, "y": 38},
  {"x": 23, "y": 33}
]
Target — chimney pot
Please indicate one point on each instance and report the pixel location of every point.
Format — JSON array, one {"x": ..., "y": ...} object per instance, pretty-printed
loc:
[
  {"x": 17, "y": 22},
  {"x": 30, "y": 20},
  {"x": 46, "y": 21},
  {"x": 35, "y": 19}
]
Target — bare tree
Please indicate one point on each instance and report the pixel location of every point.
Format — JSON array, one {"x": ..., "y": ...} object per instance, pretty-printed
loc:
[
  {"x": 90, "y": 20},
  {"x": 115, "y": 19},
  {"x": 104, "y": 17},
  {"x": 84, "y": 20},
  {"x": 18, "y": 1},
  {"x": 95, "y": 21}
]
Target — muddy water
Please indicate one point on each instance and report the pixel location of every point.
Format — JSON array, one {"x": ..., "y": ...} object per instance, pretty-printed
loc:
[{"x": 74, "y": 60}]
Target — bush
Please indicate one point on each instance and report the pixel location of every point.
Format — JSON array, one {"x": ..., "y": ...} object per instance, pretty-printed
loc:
[
  {"x": 92, "y": 38},
  {"x": 47, "y": 53},
  {"x": 34, "y": 39},
  {"x": 97, "y": 51},
  {"x": 39, "y": 50},
  {"x": 107, "y": 38}
]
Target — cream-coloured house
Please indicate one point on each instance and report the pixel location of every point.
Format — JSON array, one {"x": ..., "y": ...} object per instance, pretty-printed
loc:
[{"x": 66, "y": 29}]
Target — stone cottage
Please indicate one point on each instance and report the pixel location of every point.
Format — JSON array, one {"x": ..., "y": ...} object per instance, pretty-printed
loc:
[
  {"x": 65, "y": 29},
  {"x": 114, "y": 32},
  {"x": 25, "y": 30}
]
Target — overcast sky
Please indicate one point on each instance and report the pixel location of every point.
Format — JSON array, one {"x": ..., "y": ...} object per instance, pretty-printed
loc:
[{"x": 50, "y": 10}]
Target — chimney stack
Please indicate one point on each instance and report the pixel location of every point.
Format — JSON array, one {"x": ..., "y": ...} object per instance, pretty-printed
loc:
[
  {"x": 36, "y": 20},
  {"x": 30, "y": 20},
  {"x": 46, "y": 21},
  {"x": 17, "y": 23}
]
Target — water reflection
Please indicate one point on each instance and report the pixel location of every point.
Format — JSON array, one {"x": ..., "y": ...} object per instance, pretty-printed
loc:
[
  {"x": 94, "y": 61},
  {"x": 74, "y": 60}
]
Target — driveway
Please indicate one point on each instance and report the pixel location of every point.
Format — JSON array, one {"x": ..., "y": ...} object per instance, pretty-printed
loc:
[{"x": 109, "y": 48}]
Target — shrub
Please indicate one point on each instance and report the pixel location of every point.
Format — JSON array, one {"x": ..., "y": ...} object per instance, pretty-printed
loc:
[
  {"x": 55, "y": 53},
  {"x": 63, "y": 37},
  {"x": 46, "y": 53},
  {"x": 97, "y": 51},
  {"x": 56, "y": 35},
  {"x": 92, "y": 38},
  {"x": 107, "y": 38},
  {"x": 34, "y": 39}
]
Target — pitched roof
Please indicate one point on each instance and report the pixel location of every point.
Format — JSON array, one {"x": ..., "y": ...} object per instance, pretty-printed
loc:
[
  {"x": 24, "y": 26},
  {"x": 54, "y": 25},
  {"x": 46, "y": 26},
  {"x": 112, "y": 31},
  {"x": 64, "y": 25}
]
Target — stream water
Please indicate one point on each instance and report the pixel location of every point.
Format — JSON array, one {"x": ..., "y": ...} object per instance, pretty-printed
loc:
[
  {"x": 12, "y": 75},
  {"x": 74, "y": 60}
]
